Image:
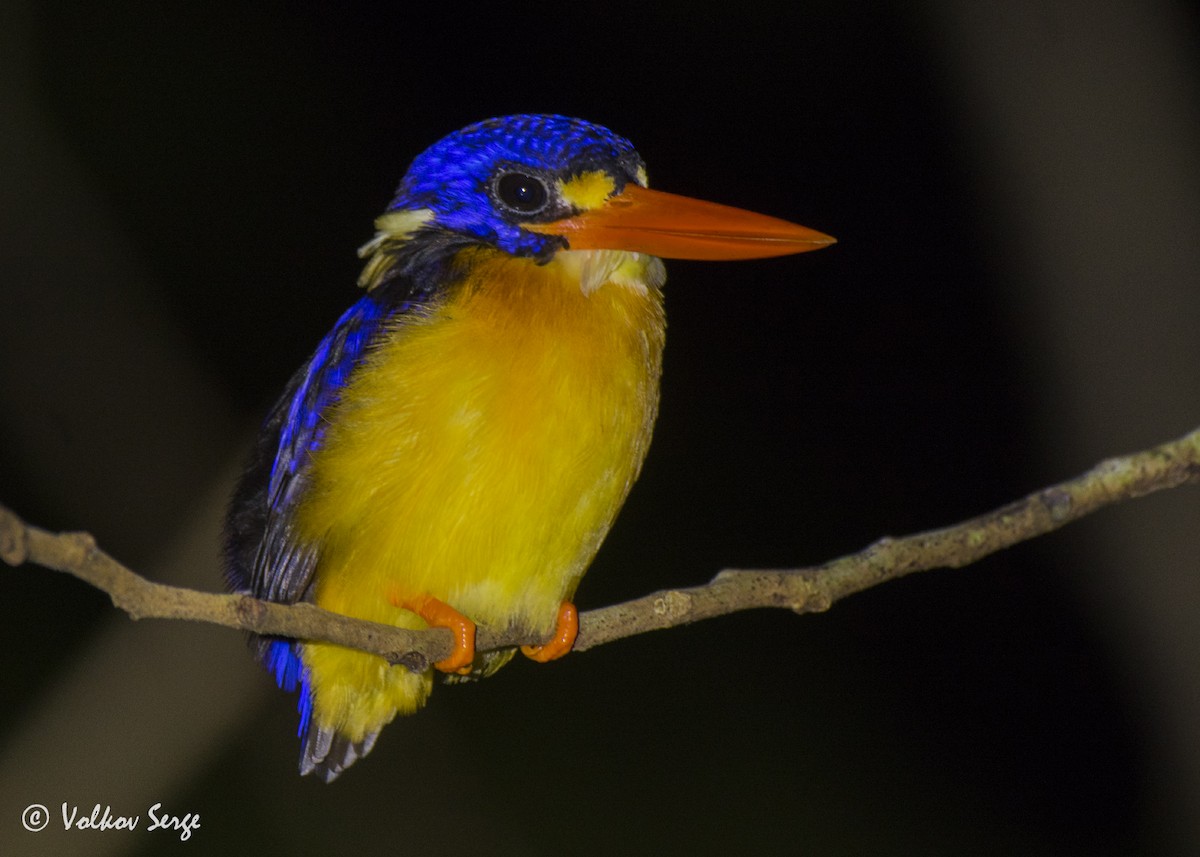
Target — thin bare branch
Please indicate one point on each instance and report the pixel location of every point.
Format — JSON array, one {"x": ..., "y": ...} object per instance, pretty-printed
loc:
[{"x": 802, "y": 590}]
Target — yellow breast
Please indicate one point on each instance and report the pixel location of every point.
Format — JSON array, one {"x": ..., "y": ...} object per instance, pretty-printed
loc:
[{"x": 482, "y": 451}]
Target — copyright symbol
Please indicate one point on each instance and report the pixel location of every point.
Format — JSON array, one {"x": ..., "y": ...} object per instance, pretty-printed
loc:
[{"x": 35, "y": 817}]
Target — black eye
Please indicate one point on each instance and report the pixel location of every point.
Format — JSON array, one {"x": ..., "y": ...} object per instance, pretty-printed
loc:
[{"x": 522, "y": 193}]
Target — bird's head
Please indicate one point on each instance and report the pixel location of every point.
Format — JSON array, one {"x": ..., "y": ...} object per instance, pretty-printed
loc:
[{"x": 536, "y": 185}]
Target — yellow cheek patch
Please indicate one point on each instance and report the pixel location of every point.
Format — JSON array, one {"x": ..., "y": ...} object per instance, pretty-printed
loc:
[{"x": 587, "y": 190}]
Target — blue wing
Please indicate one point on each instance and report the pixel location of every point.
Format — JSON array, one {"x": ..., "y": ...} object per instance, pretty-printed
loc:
[{"x": 266, "y": 557}]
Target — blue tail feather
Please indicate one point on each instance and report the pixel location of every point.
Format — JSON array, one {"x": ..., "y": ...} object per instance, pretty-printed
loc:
[
  {"x": 283, "y": 661},
  {"x": 323, "y": 751}
]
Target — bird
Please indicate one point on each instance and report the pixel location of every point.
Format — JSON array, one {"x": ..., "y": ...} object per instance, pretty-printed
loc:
[{"x": 458, "y": 445}]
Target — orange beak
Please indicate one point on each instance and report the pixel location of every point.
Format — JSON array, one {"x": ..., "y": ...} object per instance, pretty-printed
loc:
[{"x": 679, "y": 227}]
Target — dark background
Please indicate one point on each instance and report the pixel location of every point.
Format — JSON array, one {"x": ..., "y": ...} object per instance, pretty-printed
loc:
[{"x": 186, "y": 188}]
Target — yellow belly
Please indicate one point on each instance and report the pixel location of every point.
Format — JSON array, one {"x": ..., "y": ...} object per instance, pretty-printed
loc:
[{"x": 479, "y": 456}]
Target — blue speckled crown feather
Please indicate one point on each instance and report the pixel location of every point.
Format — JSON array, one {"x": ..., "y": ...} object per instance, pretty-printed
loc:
[{"x": 452, "y": 177}]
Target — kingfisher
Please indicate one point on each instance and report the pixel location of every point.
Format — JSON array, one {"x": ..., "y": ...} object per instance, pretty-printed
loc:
[{"x": 458, "y": 445}]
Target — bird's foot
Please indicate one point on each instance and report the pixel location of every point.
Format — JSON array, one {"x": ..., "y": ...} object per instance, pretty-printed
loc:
[
  {"x": 566, "y": 629},
  {"x": 439, "y": 614}
]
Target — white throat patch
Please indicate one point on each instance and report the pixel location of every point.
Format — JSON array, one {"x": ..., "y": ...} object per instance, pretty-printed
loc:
[{"x": 594, "y": 268}]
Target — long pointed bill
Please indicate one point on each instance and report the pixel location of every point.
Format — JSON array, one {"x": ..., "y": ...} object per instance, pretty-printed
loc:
[{"x": 679, "y": 227}]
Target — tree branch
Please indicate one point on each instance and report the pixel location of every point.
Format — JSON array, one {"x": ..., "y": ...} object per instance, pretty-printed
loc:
[{"x": 803, "y": 590}]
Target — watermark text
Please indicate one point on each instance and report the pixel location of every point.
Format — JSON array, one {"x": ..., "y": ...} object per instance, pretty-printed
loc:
[{"x": 36, "y": 817}]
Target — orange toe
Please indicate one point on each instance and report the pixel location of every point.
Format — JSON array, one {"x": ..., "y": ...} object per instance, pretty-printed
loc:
[
  {"x": 439, "y": 614},
  {"x": 566, "y": 629}
]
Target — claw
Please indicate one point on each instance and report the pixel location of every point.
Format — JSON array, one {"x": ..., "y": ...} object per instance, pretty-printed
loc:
[{"x": 566, "y": 629}]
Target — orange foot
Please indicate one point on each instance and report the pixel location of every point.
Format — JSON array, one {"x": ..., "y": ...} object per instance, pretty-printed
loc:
[
  {"x": 439, "y": 614},
  {"x": 566, "y": 629}
]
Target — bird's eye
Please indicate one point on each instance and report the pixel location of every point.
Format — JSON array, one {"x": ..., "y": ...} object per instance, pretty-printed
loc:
[{"x": 522, "y": 193}]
